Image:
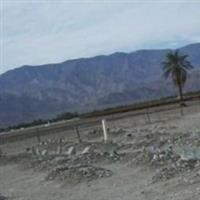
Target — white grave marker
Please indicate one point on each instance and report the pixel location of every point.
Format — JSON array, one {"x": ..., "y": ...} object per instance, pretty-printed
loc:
[{"x": 105, "y": 135}]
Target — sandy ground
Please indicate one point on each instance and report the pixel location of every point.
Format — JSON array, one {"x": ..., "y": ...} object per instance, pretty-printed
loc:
[{"x": 128, "y": 182}]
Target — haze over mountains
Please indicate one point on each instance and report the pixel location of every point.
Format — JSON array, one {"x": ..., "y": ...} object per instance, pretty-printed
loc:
[{"x": 33, "y": 92}]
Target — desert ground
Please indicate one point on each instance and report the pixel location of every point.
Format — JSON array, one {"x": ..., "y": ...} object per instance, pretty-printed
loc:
[{"x": 154, "y": 156}]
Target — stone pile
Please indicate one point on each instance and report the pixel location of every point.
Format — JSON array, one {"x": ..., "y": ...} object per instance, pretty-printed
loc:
[
  {"x": 161, "y": 147},
  {"x": 175, "y": 154},
  {"x": 175, "y": 169},
  {"x": 78, "y": 173},
  {"x": 75, "y": 161},
  {"x": 117, "y": 131}
]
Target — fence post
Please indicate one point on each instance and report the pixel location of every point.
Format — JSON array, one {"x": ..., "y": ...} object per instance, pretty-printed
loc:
[
  {"x": 113, "y": 122},
  {"x": 38, "y": 135},
  {"x": 148, "y": 115},
  {"x": 78, "y": 134},
  {"x": 105, "y": 135}
]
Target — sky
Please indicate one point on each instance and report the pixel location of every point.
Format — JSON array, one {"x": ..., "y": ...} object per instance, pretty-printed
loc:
[{"x": 35, "y": 32}]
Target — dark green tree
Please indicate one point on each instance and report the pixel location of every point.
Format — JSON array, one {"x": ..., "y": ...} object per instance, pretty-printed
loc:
[{"x": 176, "y": 66}]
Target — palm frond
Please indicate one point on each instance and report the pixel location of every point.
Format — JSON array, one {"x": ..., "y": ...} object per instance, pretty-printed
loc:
[
  {"x": 187, "y": 65},
  {"x": 177, "y": 65},
  {"x": 166, "y": 73}
]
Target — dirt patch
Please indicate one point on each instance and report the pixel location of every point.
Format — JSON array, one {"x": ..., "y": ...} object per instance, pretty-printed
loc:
[{"x": 155, "y": 161}]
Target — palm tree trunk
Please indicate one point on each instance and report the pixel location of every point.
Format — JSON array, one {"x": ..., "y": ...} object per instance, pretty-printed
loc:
[{"x": 180, "y": 89}]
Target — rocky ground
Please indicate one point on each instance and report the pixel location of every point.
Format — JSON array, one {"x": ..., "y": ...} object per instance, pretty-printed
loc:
[{"x": 158, "y": 160}]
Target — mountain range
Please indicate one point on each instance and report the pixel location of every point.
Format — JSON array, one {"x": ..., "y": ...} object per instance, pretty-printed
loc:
[{"x": 86, "y": 84}]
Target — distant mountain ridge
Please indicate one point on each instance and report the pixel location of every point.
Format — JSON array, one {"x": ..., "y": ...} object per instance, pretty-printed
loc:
[{"x": 32, "y": 92}]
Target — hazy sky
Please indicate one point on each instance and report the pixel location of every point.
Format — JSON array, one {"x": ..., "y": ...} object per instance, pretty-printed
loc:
[{"x": 48, "y": 31}]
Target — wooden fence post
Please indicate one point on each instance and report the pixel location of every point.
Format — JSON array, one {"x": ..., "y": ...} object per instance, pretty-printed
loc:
[{"x": 78, "y": 134}]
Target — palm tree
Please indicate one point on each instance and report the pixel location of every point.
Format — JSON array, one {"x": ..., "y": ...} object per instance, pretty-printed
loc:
[{"x": 177, "y": 66}]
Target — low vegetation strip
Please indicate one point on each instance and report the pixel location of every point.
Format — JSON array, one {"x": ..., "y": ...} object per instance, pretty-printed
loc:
[{"x": 141, "y": 106}]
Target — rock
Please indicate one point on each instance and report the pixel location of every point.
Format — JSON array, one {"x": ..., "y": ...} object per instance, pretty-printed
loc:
[
  {"x": 129, "y": 135},
  {"x": 45, "y": 143},
  {"x": 49, "y": 140},
  {"x": 37, "y": 151},
  {"x": 58, "y": 160},
  {"x": 86, "y": 150},
  {"x": 155, "y": 157},
  {"x": 71, "y": 151},
  {"x": 44, "y": 152},
  {"x": 95, "y": 132},
  {"x": 28, "y": 149}
]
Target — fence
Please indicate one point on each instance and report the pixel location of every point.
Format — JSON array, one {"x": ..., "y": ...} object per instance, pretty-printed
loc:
[{"x": 146, "y": 115}]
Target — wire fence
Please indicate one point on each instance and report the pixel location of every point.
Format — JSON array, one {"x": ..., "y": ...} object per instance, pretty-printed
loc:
[{"x": 77, "y": 127}]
